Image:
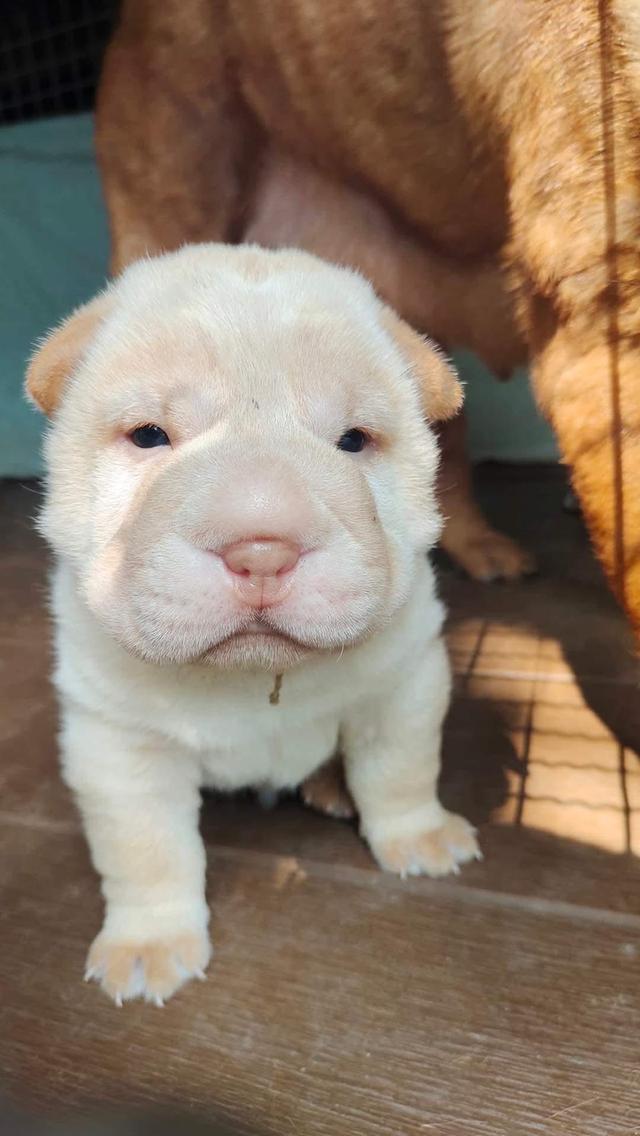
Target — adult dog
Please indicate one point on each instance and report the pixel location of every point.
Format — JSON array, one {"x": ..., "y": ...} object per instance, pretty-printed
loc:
[{"x": 479, "y": 162}]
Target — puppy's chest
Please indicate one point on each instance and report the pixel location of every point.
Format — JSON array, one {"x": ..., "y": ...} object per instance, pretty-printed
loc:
[
  {"x": 281, "y": 757},
  {"x": 260, "y": 738}
]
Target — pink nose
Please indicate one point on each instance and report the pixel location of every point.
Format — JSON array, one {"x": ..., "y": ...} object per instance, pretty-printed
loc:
[
  {"x": 260, "y": 557},
  {"x": 259, "y": 569}
]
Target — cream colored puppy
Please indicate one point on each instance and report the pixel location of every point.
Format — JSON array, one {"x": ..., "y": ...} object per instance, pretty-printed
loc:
[{"x": 240, "y": 499}]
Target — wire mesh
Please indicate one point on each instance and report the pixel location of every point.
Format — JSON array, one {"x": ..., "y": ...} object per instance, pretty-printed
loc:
[{"x": 50, "y": 56}]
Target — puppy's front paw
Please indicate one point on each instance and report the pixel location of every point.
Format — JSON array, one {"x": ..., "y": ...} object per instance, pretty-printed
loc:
[
  {"x": 152, "y": 970},
  {"x": 435, "y": 852}
]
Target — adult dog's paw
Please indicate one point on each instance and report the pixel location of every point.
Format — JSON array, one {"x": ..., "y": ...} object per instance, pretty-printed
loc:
[
  {"x": 487, "y": 555},
  {"x": 152, "y": 970}
]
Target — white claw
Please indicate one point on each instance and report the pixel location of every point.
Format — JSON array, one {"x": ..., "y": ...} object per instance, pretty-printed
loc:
[
  {"x": 118, "y": 1001},
  {"x": 159, "y": 1002},
  {"x": 200, "y": 975}
]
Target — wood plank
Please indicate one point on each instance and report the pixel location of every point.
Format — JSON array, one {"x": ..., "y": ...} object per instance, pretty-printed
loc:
[{"x": 352, "y": 1004}]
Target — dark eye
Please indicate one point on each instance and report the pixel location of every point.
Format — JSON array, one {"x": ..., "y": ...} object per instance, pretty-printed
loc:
[
  {"x": 148, "y": 436},
  {"x": 353, "y": 441}
]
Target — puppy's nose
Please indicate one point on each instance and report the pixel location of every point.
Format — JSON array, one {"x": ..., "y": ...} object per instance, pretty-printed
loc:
[
  {"x": 267, "y": 557},
  {"x": 259, "y": 568}
]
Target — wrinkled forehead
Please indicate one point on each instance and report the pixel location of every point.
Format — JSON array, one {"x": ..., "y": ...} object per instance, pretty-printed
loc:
[{"x": 294, "y": 344}]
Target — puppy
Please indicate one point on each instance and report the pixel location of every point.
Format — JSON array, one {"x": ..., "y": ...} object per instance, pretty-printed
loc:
[{"x": 240, "y": 499}]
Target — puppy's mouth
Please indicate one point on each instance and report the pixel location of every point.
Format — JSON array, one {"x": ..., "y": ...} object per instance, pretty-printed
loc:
[
  {"x": 256, "y": 636},
  {"x": 259, "y": 648}
]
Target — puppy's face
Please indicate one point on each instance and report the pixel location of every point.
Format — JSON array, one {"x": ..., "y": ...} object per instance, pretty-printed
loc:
[{"x": 239, "y": 468}]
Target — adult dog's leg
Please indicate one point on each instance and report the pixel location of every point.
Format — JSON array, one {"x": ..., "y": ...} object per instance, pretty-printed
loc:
[
  {"x": 175, "y": 145},
  {"x": 468, "y": 537}
]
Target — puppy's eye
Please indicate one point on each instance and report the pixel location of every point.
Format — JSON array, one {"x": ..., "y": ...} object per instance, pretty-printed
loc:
[
  {"x": 353, "y": 441},
  {"x": 148, "y": 436}
]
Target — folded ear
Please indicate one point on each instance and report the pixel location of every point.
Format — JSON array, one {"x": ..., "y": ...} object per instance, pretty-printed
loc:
[
  {"x": 440, "y": 389},
  {"x": 59, "y": 353}
]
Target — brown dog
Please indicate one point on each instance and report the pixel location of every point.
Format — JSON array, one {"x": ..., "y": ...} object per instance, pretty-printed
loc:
[{"x": 480, "y": 162}]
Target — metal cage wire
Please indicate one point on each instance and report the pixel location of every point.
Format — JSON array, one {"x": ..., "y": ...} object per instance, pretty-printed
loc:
[
  {"x": 50, "y": 56},
  {"x": 611, "y": 258}
]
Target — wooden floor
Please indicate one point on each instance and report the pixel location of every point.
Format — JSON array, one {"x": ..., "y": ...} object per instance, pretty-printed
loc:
[{"x": 343, "y": 1001}]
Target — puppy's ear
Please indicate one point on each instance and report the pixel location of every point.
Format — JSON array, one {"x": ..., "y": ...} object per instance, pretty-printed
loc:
[
  {"x": 59, "y": 353},
  {"x": 440, "y": 390}
]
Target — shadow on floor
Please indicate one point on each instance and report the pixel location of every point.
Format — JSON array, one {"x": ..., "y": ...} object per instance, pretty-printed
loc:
[{"x": 548, "y": 662}]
